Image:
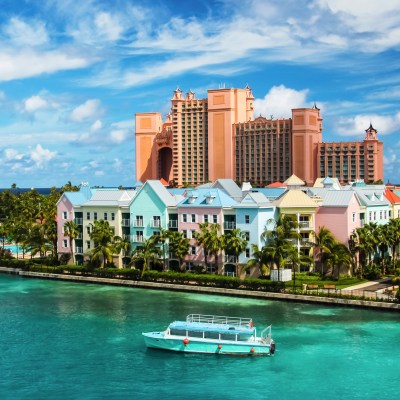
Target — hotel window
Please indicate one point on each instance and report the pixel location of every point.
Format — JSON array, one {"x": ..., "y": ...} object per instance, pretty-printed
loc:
[
  {"x": 88, "y": 215},
  {"x": 247, "y": 219},
  {"x": 64, "y": 215},
  {"x": 215, "y": 219},
  {"x": 105, "y": 216}
]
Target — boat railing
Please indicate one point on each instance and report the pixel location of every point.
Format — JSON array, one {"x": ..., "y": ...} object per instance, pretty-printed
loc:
[
  {"x": 267, "y": 333},
  {"x": 219, "y": 319}
]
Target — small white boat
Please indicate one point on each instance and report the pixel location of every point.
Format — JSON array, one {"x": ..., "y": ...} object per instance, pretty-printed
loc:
[{"x": 213, "y": 334}]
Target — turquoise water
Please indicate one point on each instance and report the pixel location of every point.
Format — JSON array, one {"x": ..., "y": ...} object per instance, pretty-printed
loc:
[
  {"x": 76, "y": 341},
  {"x": 13, "y": 248}
]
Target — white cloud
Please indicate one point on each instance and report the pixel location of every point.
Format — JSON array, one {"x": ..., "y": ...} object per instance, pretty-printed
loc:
[
  {"x": 12, "y": 154},
  {"x": 118, "y": 136},
  {"x": 35, "y": 103},
  {"x": 108, "y": 25},
  {"x": 279, "y": 102},
  {"x": 96, "y": 125},
  {"x": 41, "y": 156},
  {"x": 24, "y": 64},
  {"x": 117, "y": 164},
  {"x": 99, "y": 173},
  {"x": 87, "y": 110},
  {"x": 29, "y": 34},
  {"x": 384, "y": 124}
]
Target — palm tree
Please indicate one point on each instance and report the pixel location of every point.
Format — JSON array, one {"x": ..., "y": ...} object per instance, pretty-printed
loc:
[
  {"x": 338, "y": 257},
  {"x": 324, "y": 243},
  {"x": 103, "y": 237},
  {"x": 259, "y": 260},
  {"x": 124, "y": 245},
  {"x": 211, "y": 241},
  {"x": 148, "y": 252},
  {"x": 279, "y": 240},
  {"x": 297, "y": 260},
  {"x": 393, "y": 233},
  {"x": 235, "y": 243},
  {"x": 71, "y": 230},
  {"x": 178, "y": 245}
]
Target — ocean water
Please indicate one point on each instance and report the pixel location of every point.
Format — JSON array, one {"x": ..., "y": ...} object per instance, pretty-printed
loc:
[{"x": 61, "y": 340}]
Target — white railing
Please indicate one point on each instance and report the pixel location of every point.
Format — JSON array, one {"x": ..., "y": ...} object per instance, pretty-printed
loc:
[
  {"x": 219, "y": 319},
  {"x": 155, "y": 223},
  {"x": 78, "y": 250},
  {"x": 304, "y": 224},
  {"x": 138, "y": 238},
  {"x": 230, "y": 259},
  {"x": 173, "y": 224},
  {"x": 138, "y": 223},
  {"x": 229, "y": 225},
  {"x": 125, "y": 222},
  {"x": 78, "y": 221}
]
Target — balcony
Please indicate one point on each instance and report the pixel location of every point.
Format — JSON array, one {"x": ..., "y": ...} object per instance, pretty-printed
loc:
[
  {"x": 79, "y": 236},
  {"x": 304, "y": 225},
  {"x": 78, "y": 250},
  {"x": 126, "y": 222},
  {"x": 155, "y": 223},
  {"x": 79, "y": 221},
  {"x": 230, "y": 259},
  {"x": 229, "y": 225},
  {"x": 138, "y": 223},
  {"x": 138, "y": 238}
]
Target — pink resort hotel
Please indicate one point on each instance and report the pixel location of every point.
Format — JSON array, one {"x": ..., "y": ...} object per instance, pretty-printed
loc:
[{"x": 203, "y": 140}]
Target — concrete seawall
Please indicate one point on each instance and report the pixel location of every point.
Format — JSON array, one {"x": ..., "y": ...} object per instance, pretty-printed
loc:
[{"x": 207, "y": 290}]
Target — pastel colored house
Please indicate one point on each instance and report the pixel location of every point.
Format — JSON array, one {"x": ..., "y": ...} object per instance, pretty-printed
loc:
[{"x": 394, "y": 201}]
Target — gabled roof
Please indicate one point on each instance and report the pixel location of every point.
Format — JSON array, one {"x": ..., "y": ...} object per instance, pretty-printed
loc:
[
  {"x": 169, "y": 199},
  {"x": 271, "y": 193},
  {"x": 206, "y": 197},
  {"x": 391, "y": 196},
  {"x": 277, "y": 185},
  {"x": 294, "y": 198},
  {"x": 338, "y": 198},
  {"x": 111, "y": 197},
  {"x": 78, "y": 198},
  {"x": 229, "y": 186},
  {"x": 371, "y": 195},
  {"x": 294, "y": 180},
  {"x": 254, "y": 200}
]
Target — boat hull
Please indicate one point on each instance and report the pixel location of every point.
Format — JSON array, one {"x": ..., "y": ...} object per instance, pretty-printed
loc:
[{"x": 159, "y": 340}]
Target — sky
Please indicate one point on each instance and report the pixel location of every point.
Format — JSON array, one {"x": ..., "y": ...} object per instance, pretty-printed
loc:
[{"x": 74, "y": 73}]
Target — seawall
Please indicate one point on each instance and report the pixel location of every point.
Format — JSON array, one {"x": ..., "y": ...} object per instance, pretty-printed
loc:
[{"x": 207, "y": 290}]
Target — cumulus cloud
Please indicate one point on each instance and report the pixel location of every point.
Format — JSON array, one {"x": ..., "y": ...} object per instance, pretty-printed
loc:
[
  {"x": 96, "y": 125},
  {"x": 279, "y": 102},
  {"x": 384, "y": 124},
  {"x": 35, "y": 103},
  {"x": 89, "y": 109},
  {"x": 12, "y": 154},
  {"x": 119, "y": 135},
  {"x": 41, "y": 156}
]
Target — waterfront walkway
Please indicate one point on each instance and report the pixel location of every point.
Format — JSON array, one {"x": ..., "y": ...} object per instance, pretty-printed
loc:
[{"x": 209, "y": 290}]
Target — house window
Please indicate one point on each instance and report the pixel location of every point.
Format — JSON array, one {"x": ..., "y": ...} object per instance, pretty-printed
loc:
[
  {"x": 246, "y": 235},
  {"x": 193, "y": 217},
  {"x": 193, "y": 250},
  {"x": 105, "y": 216},
  {"x": 193, "y": 234},
  {"x": 184, "y": 217},
  {"x": 374, "y": 215},
  {"x": 247, "y": 253},
  {"x": 370, "y": 215},
  {"x": 88, "y": 215},
  {"x": 65, "y": 243},
  {"x": 88, "y": 244},
  {"x": 95, "y": 216},
  {"x": 205, "y": 218},
  {"x": 112, "y": 216},
  {"x": 247, "y": 219},
  {"x": 156, "y": 221},
  {"x": 215, "y": 219},
  {"x": 354, "y": 217},
  {"x": 64, "y": 215},
  {"x": 184, "y": 233},
  {"x": 88, "y": 230}
]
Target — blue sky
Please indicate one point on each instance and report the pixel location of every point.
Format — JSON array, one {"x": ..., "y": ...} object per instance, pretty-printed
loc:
[{"x": 74, "y": 73}]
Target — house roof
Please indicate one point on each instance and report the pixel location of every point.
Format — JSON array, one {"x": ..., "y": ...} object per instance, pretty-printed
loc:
[
  {"x": 229, "y": 186},
  {"x": 371, "y": 195},
  {"x": 391, "y": 196},
  {"x": 168, "y": 198},
  {"x": 271, "y": 193},
  {"x": 277, "y": 185},
  {"x": 294, "y": 198},
  {"x": 206, "y": 197},
  {"x": 78, "y": 198},
  {"x": 338, "y": 198},
  {"x": 254, "y": 200},
  {"x": 111, "y": 197},
  {"x": 294, "y": 180}
]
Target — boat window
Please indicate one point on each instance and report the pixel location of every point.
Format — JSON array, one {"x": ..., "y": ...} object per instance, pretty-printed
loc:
[
  {"x": 228, "y": 336},
  {"x": 212, "y": 335},
  {"x": 178, "y": 332},
  {"x": 196, "y": 334}
]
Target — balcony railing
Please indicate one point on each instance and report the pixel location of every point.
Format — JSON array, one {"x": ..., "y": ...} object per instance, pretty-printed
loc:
[
  {"x": 138, "y": 238},
  {"x": 80, "y": 236},
  {"x": 230, "y": 259},
  {"x": 125, "y": 222},
  {"x": 155, "y": 223},
  {"x": 138, "y": 223},
  {"x": 78, "y": 250},
  {"x": 229, "y": 225},
  {"x": 304, "y": 225},
  {"x": 79, "y": 221}
]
